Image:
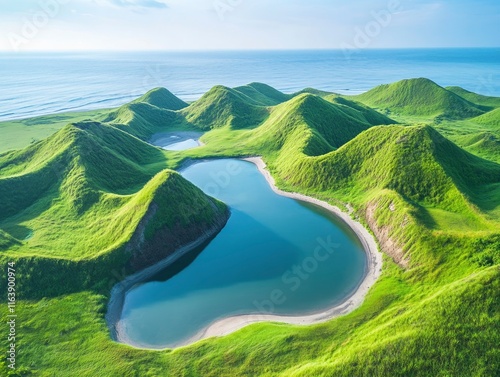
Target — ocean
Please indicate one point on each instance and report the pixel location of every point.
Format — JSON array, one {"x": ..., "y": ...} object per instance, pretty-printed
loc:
[{"x": 35, "y": 84}]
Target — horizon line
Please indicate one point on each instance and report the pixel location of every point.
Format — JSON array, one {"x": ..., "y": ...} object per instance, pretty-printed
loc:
[{"x": 251, "y": 50}]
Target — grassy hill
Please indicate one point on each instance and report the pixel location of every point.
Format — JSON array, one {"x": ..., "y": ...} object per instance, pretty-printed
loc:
[
  {"x": 163, "y": 99},
  {"x": 491, "y": 118},
  {"x": 141, "y": 119},
  {"x": 83, "y": 194},
  {"x": 311, "y": 124},
  {"x": 433, "y": 208},
  {"x": 263, "y": 94},
  {"x": 478, "y": 99},
  {"x": 360, "y": 111},
  {"x": 316, "y": 92},
  {"x": 153, "y": 112},
  {"x": 484, "y": 144},
  {"x": 416, "y": 162},
  {"x": 224, "y": 107},
  {"x": 419, "y": 97}
]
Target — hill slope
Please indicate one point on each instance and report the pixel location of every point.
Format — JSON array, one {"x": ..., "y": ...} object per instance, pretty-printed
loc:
[
  {"x": 419, "y": 97},
  {"x": 224, "y": 107},
  {"x": 491, "y": 118},
  {"x": 263, "y": 94},
  {"x": 90, "y": 185},
  {"x": 163, "y": 99},
  {"x": 478, "y": 99},
  {"x": 141, "y": 119},
  {"x": 312, "y": 125}
]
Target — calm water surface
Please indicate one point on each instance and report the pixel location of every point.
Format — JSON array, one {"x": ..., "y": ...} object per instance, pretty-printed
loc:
[
  {"x": 43, "y": 83},
  {"x": 272, "y": 247}
]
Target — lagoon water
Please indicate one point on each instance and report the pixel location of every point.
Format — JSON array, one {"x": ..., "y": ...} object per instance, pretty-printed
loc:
[
  {"x": 272, "y": 248},
  {"x": 182, "y": 145},
  {"x": 43, "y": 83}
]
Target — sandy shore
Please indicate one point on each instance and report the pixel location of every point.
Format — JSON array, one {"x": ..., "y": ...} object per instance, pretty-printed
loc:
[{"x": 230, "y": 324}]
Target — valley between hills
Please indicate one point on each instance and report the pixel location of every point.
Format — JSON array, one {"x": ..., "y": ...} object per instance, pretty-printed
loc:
[{"x": 86, "y": 200}]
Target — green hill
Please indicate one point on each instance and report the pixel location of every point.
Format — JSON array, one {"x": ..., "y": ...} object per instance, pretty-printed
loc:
[
  {"x": 141, "y": 119},
  {"x": 478, "y": 99},
  {"x": 491, "y": 118},
  {"x": 358, "y": 110},
  {"x": 419, "y": 97},
  {"x": 155, "y": 111},
  {"x": 262, "y": 94},
  {"x": 312, "y": 124},
  {"x": 484, "y": 144},
  {"x": 163, "y": 99},
  {"x": 90, "y": 185},
  {"x": 224, "y": 107},
  {"x": 417, "y": 162},
  {"x": 316, "y": 92}
]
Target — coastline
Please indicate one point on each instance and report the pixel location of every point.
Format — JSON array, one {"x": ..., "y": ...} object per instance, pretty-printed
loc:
[{"x": 231, "y": 324}]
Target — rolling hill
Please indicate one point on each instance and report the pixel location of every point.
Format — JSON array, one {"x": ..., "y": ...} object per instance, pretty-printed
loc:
[
  {"x": 419, "y": 97},
  {"x": 224, "y": 107},
  {"x": 262, "y": 94},
  {"x": 314, "y": 124},
  {"x": 491, "y": 118},
  {"x": 141, "y": 119},
  {"x": 478, "y": 99},
  {"x": 93, "y": 192},
  {"x": 416, "y": 162},
  {"x": 163, "y": 99}
]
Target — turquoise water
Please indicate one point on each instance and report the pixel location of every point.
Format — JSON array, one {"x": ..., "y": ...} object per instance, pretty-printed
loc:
[
  {"x": 276, "y": 255},
  {"x": 182, "y": 145},
  {"x": 44, "y": 83}
]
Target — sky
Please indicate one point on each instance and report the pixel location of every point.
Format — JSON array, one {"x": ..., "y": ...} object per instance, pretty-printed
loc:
[{"x": 69, "y": 25}]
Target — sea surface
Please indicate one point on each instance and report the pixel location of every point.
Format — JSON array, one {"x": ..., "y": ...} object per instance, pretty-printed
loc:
[
  {"x": 275, "y": 255},
  {"x": 34, "y": 84}
]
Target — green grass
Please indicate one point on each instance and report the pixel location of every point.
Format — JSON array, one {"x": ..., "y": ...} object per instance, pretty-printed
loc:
[
  {"x": 92, "y": 191},
  {"x": 17, "y": 134},
  {"x": 262, "y": 94},
  {"x": 432, "y": 204},
  {"x": 221, "y": 107},
  {"x": 420, "y": 97},
  {"x": 478, "y": 99},
  {"x": 491, "y": 118},
  {"x": 163, "y": 99}
]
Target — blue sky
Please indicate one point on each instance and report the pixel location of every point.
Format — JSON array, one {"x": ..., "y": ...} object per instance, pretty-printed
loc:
[{"x": 27, "y": 25}]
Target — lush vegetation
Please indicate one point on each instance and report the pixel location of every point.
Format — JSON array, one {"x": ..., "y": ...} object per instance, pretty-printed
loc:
[
  {"x": 74, "y": 201},
  {"x": 433, "y": 206},
  {"x": 478, "y": 99},
  {"x": 420, "y": 97}
]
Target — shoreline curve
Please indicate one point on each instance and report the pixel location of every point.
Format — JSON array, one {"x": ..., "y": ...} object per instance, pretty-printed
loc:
[{"x": 228, "y": 325}]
